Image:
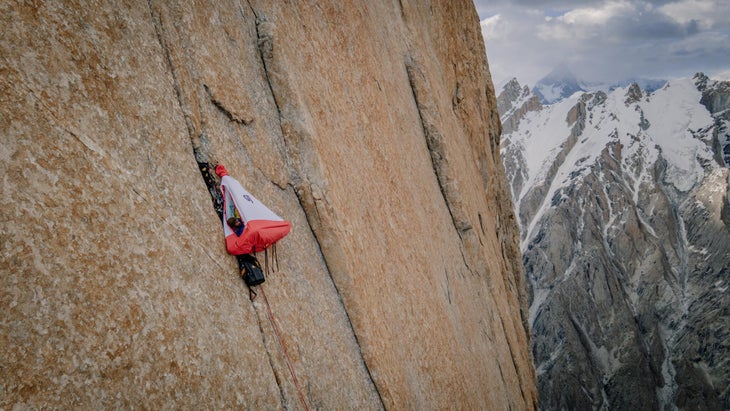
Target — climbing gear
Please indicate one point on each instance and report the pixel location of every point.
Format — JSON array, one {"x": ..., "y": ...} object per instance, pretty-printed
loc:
[
  {"x": 251, "y": 270},
  {"x": 206, "y": 169},
  {"x": 263, "y": 226},
  {"x": 251, "y": 273},
  {"x": 269, "y": 267},
  {"x": 262, "y": 230}
]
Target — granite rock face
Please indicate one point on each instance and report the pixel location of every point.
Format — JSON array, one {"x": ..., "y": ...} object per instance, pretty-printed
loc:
[
  {"x": 622, "y": 200},
  {"x": 372, "y": 128}
]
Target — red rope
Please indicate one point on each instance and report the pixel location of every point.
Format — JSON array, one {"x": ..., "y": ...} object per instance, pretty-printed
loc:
[{"x": 283, "y": 349}]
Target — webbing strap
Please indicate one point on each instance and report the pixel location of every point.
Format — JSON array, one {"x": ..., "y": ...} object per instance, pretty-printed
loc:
[
  {"x": 273, "y": 266},
  {"x": 266, "y": 261}
]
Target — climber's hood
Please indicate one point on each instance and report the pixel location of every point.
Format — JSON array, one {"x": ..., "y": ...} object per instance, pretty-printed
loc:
[{"x": 263, "y": 227}]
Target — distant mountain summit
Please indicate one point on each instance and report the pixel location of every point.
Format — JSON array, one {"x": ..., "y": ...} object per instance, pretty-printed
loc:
[
  {"x": 648, "y": 85},
  {"x": 561, "y": 83}
]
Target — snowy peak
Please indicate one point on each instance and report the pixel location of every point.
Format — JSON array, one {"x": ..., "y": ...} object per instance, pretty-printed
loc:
[
  {"x": 715, "y": 94},
  {"x": 669, "y": 123},
  {"x": 716, "y": 99},
  {"x": 561, "y": 83},
  {"x": 513, "y": 103},
  {"x": 649, "y": 85},
  {"x": 633, "y": 94},
  {"x": 510, "y": 94}
]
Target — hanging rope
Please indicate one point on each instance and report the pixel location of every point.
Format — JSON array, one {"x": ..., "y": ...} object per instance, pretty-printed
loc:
[{"x": 283, "y": 349}]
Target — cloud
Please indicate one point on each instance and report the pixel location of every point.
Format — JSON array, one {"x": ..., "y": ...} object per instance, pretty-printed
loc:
[
  {"x": 615, "y": 22},
  {"x": 494, "y": 28},
  {"x": 722, "y": 75},
  {"x": 591, "y": 16},
  {"x": 707, "y": 14},
  {"x": 605, "y": 40}
]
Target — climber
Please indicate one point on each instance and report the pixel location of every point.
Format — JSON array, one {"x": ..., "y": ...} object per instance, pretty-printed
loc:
[
  {"x": 236, "y": 225},
  {"x": 260, "y": 228}
]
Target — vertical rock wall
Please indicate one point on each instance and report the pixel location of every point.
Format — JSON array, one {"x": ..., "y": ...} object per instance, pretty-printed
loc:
[{"x": 371, "y": 126}]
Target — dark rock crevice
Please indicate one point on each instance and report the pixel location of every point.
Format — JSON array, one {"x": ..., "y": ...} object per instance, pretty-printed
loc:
[
  {"x": 232, "y": 116},
  {"x": 313, "y": 203},
  {"x": 514, "y": 360},
  {"x": 265, "y": 46},
  {"x": 434, "y": 142},
  {"x": 305, "y": 198},
  {"x": 200, "y": 152},
  {"x": 162, "y": 38},
  {"x": 725, "y": 212},
  {"x": 202, "y": 157}
]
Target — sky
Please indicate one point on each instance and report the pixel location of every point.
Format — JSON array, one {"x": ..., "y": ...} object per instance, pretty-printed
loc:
[{"x": 606, "y": 40}]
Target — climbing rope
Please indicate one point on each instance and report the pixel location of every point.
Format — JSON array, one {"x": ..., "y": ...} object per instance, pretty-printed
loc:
[{"x": 283, "y": 349}]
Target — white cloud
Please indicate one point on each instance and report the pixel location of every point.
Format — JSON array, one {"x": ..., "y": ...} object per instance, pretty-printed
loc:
[
  {"x": 590, "y": 16},
  {"x": 707, "y": 13},
  {"x": 550, "y": 32},
  {"x": 584, "y": 22},
  {"x": 605, "y": 40},
  {"x": 494, "y": 28}
]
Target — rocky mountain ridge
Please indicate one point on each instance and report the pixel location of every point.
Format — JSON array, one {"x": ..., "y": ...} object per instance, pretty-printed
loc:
[
  {"x": 372, "y": 129},
  {"x": 622, "y": 199}
]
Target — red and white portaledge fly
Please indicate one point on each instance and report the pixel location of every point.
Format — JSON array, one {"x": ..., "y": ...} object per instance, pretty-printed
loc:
[{"x": 263, "y": 227}]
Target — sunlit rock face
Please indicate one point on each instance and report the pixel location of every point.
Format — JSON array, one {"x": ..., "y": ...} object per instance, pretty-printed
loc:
[
  {"x": 623, "y": 205},
  {"x": 372, "y": 129}
]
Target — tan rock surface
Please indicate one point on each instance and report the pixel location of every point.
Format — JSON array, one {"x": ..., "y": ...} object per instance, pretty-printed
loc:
[{"x": 372, "y": 127}]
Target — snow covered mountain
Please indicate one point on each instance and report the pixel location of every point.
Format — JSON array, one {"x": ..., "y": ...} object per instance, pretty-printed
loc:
[
  {"x": 648, "y": 85},
  {"x": 622, "y": 199},
  {"x": 561, "y": 83}
]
